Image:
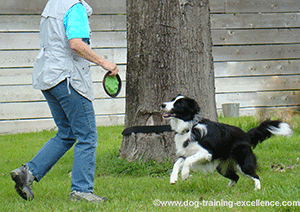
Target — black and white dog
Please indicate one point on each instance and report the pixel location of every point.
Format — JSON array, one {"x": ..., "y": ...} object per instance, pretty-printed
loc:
[{"x": 227, "y": 148}]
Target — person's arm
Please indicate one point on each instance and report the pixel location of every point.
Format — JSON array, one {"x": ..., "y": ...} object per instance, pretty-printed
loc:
[
  {"x": 77, "y": 28},
  {"x": 83, "y": 50}
]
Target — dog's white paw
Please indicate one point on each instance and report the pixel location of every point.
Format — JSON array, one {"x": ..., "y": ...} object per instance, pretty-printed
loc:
[
  {"x": 173, "y": 179},
  {"x": 257, "y": 184},
  {"x": 209, "y": 157},
  {"x": 257, "y": 187},
  {"x": 185, "y": 173}
]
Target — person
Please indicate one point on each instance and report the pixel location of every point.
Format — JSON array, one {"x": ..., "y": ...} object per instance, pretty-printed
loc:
[{"x": 62, "y": 72}]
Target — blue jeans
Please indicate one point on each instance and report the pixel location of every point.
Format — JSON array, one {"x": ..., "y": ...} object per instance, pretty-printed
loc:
[{"x": 75, "y": 118}]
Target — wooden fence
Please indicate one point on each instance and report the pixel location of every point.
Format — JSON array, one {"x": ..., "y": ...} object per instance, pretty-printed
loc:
[
  {"x": 256, "y": 58},
  {"x": 256, "y": 53}
]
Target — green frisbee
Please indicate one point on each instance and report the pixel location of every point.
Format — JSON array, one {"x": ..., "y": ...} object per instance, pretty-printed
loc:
[{"x": 112, "y": 85}]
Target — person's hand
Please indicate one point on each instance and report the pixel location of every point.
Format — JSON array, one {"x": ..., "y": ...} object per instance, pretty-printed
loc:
[{"x": 111, "y": 67}]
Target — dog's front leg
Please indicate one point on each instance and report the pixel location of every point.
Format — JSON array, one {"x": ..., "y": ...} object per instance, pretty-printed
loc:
[
  {"x": 206, "y": 156},
  {"x": 177, "y": 166}
]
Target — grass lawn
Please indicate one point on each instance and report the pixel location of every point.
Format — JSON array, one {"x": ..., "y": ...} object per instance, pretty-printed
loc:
[{"x": 142, "y": 186}]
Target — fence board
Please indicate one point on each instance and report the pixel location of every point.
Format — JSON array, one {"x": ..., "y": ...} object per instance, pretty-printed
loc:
[
  {"x": 240, "y": 6},
  {"x": 256, "y": 68},
  {"x": 108, "y": 6},
  {"x": 255, "y": 36},
  {"x": 264, "y": 83},
  {"x": 254, "y": 21},
  {"x": 19, "y": 41},
  {"x": 217, "y": 6},
  {"x": 109, "y": 106},
  {"x": 247, "y": 53},
  {"x": 109, "y": 40},
  {"x": 21, "y": 93},
  {"x": 36, "y": 7},
  {"x": 118, "y": 56},
  {"x": 108, "y": 22},
  {"x": 31, "y": 23},
  {"x": 17, "y": 58},
  {"x": 26, "y": 58},
  {"x": 15, "y": 76},
  {"x": 22, "y": 7},
  {"x": 19, "y": 23},
  {"x": 260, "y": 99}
]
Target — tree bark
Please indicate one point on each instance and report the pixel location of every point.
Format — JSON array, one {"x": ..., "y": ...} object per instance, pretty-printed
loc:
[{"x": 169, "y": 53}]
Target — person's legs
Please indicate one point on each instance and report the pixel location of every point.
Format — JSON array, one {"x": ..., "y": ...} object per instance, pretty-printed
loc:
[
  {"x": 75, "y": 119},
  {"x": 64, "y": 139}
]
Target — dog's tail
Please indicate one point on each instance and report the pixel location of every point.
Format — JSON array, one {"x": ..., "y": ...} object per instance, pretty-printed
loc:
[{"x": 266, "y": 129}]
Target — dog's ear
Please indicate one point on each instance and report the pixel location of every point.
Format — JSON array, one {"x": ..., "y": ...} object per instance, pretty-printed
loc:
[
  {"x": 197, "y": 108},
  {"x": 176, "y": 97},
  {"x": 194, "y": 107}
]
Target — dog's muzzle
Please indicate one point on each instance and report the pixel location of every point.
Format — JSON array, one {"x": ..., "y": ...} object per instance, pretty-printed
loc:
[{"x": 165, "y": 113}]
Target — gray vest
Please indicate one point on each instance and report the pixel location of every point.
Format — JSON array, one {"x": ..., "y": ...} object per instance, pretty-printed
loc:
[{"x": 56, "y": 61}]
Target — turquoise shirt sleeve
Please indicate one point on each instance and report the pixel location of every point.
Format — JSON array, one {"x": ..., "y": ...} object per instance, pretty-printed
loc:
[{"x": 76, "y": 22}]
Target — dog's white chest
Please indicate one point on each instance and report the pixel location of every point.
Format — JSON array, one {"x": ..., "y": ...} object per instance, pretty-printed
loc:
[{"x": 192, "y": 147}]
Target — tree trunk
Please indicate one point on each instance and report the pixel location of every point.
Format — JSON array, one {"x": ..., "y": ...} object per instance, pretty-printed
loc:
[{"x": 169, "y": 53}]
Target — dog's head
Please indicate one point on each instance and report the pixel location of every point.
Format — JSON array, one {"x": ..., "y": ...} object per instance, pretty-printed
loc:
[{"x": 181, "y": 107}]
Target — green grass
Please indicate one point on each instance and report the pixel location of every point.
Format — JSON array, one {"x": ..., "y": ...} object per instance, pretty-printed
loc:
[{"x": 134, "y": 186}]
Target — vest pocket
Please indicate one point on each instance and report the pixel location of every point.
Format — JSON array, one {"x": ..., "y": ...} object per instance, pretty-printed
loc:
[{"x": 81, "y": 77}]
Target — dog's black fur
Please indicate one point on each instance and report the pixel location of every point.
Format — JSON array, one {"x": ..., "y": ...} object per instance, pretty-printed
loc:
[{"x": 226, "y": 147}]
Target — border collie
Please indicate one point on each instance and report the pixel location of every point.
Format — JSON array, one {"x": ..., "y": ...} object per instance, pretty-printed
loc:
[{"x": 215, "y": 145}]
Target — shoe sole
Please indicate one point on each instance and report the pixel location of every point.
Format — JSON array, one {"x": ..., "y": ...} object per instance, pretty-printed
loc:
[{"x": 22, "y": 190}]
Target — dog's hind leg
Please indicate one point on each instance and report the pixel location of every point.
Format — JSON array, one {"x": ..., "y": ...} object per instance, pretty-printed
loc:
[
  {"x": 203, "y": 155},
  {"x": 227, "y": 169},
  {"x": 248, "y": 166},
  {"x": 246, "y": 161},
  {"x": 250, "y": 172},
  {"x": 176, "y": 168}
]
